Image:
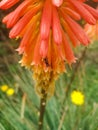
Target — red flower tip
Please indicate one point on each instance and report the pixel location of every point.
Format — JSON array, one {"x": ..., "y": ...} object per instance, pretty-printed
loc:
[
  {"x": 5, "y": 4},
  {"x": 57, "y": 2},
  {"x": 46, "y": 20},
  {"x": 93, "y": 11},
  {"x": 83, "y": 11},
  {"x": 56, "y": 27}
]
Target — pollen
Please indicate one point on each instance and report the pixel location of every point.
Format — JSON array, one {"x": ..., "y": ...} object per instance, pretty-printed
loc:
[{"x": 44, "y": 80}]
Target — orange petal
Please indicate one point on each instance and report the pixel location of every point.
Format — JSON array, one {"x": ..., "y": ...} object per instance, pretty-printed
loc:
[
  {"x": 46, "y": 20},
  {"x": 68, "y": 51},
  {"x": 5, "y": 4},
  {"x": 83, "y": 11},
  {"x": 57, "y": 35}
]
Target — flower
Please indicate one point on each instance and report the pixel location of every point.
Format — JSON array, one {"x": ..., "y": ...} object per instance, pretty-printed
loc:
[
  {"x": 77, "y": 98},
  {"x": 92, "y": 31},
  {"x": 46, "y": 28},
  {"x": 4, "y": 88},
  {"x": 10, "y": 92}
]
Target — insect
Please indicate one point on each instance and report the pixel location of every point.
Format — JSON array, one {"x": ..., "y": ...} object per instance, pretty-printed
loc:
[{"x": 46, "y": 62}]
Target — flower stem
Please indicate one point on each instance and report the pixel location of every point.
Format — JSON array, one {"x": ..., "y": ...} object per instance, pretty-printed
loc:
[{"x": 42, "y": 109}]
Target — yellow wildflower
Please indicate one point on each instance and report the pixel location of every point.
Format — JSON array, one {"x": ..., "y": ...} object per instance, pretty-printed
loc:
[
  {"x": 77, "y": 98},
  {"x": 4, "y": 88},
  {"x": 10, "y": 92}
]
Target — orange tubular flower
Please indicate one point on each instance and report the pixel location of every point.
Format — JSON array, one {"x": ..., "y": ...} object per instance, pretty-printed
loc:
[
  {"x": 92, "y": 31},
  {"x": 46, "y": 28}
]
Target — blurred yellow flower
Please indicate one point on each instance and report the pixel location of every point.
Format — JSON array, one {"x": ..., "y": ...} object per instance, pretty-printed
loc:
[
  {"x": 10, "y": 91},
  {"x": 77, "y": 98},
  {"x": 4, "y": 88}
]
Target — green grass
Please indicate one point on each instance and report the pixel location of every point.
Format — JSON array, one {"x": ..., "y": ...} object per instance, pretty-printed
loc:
[{"x": 74, "y": 117}]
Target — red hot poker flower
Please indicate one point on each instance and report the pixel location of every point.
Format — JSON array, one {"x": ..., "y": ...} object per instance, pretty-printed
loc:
[
  {"x": 46, "y": 28},
  {"x": 92, "y": 31}
]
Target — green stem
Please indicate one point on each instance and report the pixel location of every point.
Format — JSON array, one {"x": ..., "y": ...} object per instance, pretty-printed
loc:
[{"x": 42, "y": 109}]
